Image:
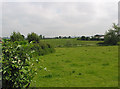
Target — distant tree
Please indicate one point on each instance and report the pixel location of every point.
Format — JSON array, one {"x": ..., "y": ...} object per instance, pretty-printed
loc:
[
  {"x": 40, "y": 36},
  {"x": 83, "y": 38},
  {"x": 60, "y": 37},
  {"x": 65, "y": 37},
  {"x": 23, "y": 36},
  {"x": 93, "y": 38},
  {"x": 87, "y": 38},
  {"x": 56, "y": 37},
  {"x": 69, "y": 37},
  {"x": 33, "y": 37},
  {"x": 78, "y": 38},
  {"x": 43, "y": 37},
  {"x": 16, "y": 36}
]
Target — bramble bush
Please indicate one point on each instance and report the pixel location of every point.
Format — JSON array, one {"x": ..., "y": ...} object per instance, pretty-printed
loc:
[
  {"x": 17, "y": 65},
  {"x": 18, "y": 62}
]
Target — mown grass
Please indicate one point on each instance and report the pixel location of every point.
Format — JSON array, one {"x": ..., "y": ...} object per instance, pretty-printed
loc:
[{"x": 90, "y": 66}]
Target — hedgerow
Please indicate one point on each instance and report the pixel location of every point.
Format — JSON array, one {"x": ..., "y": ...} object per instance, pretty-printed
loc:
[
  {"x": 17, "y": 67},
  {"x": 18, "y": 60},
  {"x": 42, "y": 48}
]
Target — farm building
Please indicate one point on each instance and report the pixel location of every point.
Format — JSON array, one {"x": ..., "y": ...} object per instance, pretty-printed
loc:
[{"x": 99, "y": 36}]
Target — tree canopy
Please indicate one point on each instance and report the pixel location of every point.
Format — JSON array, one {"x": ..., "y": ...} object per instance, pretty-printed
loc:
[
  {"x": 112, "y": 36},
  {"x": 16, "y": 36},
  {"x": 33, "y": 37}
]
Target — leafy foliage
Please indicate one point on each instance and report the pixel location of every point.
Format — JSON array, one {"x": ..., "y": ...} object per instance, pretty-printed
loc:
[
  {"x": 40, "y": 36},
  {"x": 83, "y": 38},
  {"x": 18, "y": 62},
  {"x": 112, "y": 36},
  {"x": 16, "y": 36},
  {"x": 41, "y": 48},
  {"x": 33, "y": 37},
  {"x": 17, "y": 65}
]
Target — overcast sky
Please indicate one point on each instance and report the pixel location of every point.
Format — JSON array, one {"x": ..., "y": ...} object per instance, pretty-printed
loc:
[{"x": 59, "y": 18}]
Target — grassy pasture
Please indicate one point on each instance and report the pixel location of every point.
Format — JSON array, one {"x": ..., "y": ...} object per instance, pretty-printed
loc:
[
  {"x": 70, "y": 42},
  {"x": 90, "y": 66}
]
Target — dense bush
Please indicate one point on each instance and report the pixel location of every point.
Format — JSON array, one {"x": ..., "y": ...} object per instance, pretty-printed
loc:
[
  {"x": 17, "y": 65},
  {"x": 18, "y": 62},
  {"x": 42, "y": 48},
  {"x": 87, "y": 38},
  {"x": 111, "y": 38},
  {"x": 33, "y": 37},
  {"x": 16, "y": 36},
  {"x": 83, "y": 38}
]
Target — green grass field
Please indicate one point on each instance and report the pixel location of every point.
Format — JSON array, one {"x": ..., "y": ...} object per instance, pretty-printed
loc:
[
  {"x": 70, "y": 42},
  {"x": 85, "y": 66}
]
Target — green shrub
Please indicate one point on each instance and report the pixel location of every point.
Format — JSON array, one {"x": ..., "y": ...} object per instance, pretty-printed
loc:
[
  {"x": 83, "y": 38},
  {"x": 42, "y": 48},
  {"x": 33, "y": 37},
  {"x": 111, "y": 38},
  {"x": 17, "y": 65},
  {"x": 16, "y": 36}
]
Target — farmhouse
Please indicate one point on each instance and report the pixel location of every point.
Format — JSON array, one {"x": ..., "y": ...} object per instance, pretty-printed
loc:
[{"x": 99, "y": 36}]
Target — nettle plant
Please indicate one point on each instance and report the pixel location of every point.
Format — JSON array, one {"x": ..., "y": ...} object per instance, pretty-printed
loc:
[{"x": 17, "y": 65}]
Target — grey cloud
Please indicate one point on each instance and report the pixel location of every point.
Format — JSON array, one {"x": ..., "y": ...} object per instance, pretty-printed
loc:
[{"x": 53, "y": 19}]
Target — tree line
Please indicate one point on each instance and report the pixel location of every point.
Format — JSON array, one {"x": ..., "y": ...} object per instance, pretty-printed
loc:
[
  {"x": 17, "y": 36},
  {"x": 92, "y": 38},
  {"x": 111, "y": 37}
]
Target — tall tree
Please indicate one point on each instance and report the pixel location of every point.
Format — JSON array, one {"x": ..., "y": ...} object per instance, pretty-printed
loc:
[
  {"x": 16, "y": 36},
  {"x": 112, "y": 36},
  {"x": 117, "y": 30},
  {"x": 83, "y": 38},
  {"x": 33, "y": 37},
  {"x": 40, "y": 36}
]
